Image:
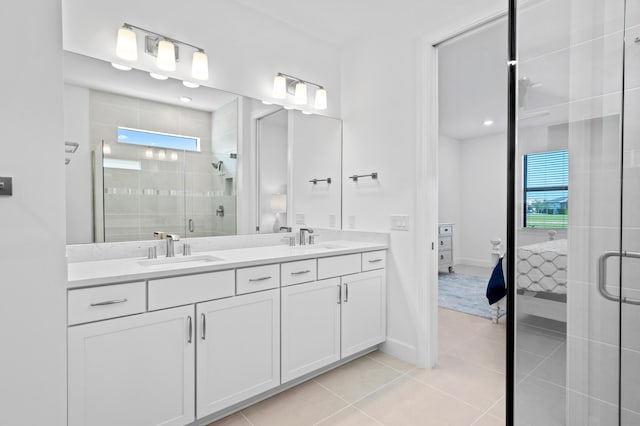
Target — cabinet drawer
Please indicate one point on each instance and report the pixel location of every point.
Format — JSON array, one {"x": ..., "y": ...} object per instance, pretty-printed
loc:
[
  {"x": 98, "y": 303},
  {"x": 176, "y": 291},
  {"x": 299, "y": 272},
  {"x": 444, "y": 243},
  {"x": 329, "y": 267},
  {"x": 444, "y": 257},
  {"x": 257, "y": 278},
  {"x": 374, "y": 260},
  {"x": 445, "y": 229}
]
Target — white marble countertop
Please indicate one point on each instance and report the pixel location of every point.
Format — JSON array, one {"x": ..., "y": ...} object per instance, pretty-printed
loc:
[{"x": 100, "y": 272}]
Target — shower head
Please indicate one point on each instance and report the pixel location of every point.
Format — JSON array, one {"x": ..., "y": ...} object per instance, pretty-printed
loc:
[{"x": 217, "y": 165}]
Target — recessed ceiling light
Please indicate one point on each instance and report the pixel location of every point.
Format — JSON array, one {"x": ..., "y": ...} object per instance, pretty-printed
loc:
[
  {"x": 185, "y": 99},
  {"x": 190, "y": 85},
  {"x": 288, "y": 107},
  {"x": 307, "y": 112},
  {"x": 158, "y": 76},
  {"x": 267, "y": 103},
  {"x": 120, "y": 67},
  {"x": 487, "y": 123}
]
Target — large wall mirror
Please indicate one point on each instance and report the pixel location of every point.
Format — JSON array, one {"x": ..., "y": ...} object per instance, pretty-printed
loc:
[{"x": 149, "y": 155}]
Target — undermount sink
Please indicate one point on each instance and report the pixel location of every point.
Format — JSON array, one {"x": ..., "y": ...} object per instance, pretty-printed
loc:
[
  {"x": 318, "y": 247},
  {"x": 179, "y": 260}
]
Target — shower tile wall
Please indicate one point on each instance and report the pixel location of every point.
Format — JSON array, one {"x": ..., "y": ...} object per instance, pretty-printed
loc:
[{"x": 171, "y": 187}]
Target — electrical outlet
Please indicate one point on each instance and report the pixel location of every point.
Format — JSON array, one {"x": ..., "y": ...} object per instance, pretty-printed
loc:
[
  {"x": 400, "y": 222},
  {"x": 352, "y": 222},
  {"x": 299, "y": 218},
  {"x": 332, "y": 221}
]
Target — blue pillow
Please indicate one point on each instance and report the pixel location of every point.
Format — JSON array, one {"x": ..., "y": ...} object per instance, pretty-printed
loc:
[{"x": 497, "y": 288}]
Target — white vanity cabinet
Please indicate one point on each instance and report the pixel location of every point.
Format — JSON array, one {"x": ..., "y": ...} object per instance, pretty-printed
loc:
[
  {"x": 364, "y": 311},
  {"x": 133, "y": 371},
  {"x": 238, "y": 349},
  {"x": 310, "y": 327}
]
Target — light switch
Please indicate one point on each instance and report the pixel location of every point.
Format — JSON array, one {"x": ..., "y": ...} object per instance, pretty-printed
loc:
[
  {"x": 6, "y": 186},
  {"x": 400, "y": 222},
  {"x": 352, "y": 222}
]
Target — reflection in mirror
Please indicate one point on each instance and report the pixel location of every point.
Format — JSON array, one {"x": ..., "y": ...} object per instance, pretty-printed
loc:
[{"x": 157, "y": 156}]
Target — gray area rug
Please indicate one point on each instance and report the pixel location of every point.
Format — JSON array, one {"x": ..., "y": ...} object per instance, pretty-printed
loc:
[{"x": 464, "y": 293}]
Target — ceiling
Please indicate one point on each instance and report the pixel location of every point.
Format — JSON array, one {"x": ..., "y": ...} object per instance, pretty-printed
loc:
[{"x": 472, "y": 83}]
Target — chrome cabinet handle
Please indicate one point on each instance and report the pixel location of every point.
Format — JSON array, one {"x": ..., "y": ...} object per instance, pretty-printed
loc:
[
  {"x": 375, "y": 260},
  {"x": 346, "y": 293},
  {"x": 339, "y": 294},
  {"x": 190, "y": 337},
  {"x": 602, "y": 275},
  {"x": 203, "y": 334},
  {"x": 109, "y": 302},
  {"x": 301, "y": 272},
  {"x": 252, "y": 280}
]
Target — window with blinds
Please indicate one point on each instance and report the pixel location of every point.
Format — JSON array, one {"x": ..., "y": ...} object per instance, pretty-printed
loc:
[{"x": 546, "y": 189}]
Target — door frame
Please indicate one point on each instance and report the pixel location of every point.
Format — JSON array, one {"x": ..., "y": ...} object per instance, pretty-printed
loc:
[{"x": 426, "y": 155}]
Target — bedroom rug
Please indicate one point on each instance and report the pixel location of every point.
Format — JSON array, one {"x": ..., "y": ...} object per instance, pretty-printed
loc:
[{"x": 464, "y": 293}]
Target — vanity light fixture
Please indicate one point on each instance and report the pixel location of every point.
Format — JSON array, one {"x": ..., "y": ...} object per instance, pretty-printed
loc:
[
  {"x": 121, "y": 67},
  {"x": 284, "y": 84},
  {"x": 158, "y": 76},
  {"x": 190, "y": 84},
  {"x": 165, "y": 49}
]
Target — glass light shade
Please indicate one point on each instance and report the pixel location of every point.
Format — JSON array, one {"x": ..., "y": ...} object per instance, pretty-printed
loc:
[
  {"x": 127, "y": 45},
  {"x": 200, "y": 66},
  {"x": 301, "y": 94},
  {"x": 166, "y": 56},
  {"x": 158, "y": 76},
  {"x": 280, "y": 87},
  {"x": 321, "y": 99},
  {"x": 121, "y": 67},
  {"x": 278, "y": 202}
]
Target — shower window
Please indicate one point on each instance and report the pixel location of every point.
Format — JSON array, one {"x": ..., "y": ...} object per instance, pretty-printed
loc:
[
  {"x": 158, "y": 140},
  {"x": 546, "y": 189}
]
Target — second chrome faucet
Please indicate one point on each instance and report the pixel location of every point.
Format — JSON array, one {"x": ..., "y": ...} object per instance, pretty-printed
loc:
[{"x": 170, "y": 240}]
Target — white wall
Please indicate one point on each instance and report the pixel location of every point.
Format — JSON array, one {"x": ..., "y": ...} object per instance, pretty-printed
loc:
[
  {"x": 246, "y": 49},
  {"x": 78, "y": 171},
  {"x": 449, "y": 188},
  {"x": 483, "y": 193},
  {"x": 32, "y": 221}
]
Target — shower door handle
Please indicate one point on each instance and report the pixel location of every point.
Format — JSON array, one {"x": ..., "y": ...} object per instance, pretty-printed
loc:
[{"x": 602, "y": 276}]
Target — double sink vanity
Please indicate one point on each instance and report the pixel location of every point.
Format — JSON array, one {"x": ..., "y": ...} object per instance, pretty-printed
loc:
[{"x": 188, "y": 339}]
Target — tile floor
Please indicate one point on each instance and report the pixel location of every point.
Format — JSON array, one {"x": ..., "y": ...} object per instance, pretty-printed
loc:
[{"x": 466, "y": 389}]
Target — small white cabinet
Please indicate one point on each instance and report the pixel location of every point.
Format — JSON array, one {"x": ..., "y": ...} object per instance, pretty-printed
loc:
[
  {"x": 310, "y": 327},
  {"x": 363, "y": 311},
  {"x": 238, "y": 349},
  {"x": 133, "y": 371}
]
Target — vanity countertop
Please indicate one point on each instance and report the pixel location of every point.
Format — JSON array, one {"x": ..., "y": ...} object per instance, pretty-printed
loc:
[{"x": 99, "y": 272}]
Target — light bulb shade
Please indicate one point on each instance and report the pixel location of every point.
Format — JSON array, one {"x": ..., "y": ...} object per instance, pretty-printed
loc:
[
  {"x": 280, "y": 87},
  {"x": 126, "y": 44},
  {"x": 166, "y": 56},
  {"x": 301, "y": 94},
  {"x": 321, "y": 99},
  {"x": 200, "y": 66}
]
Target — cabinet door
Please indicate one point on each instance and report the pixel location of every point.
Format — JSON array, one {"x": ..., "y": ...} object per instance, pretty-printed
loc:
[
  {"x": 310, "y": 327},
  {"x": 238, "y": 349},
  {"x": 363, "y": 311},
  {"x": 133, "y": 371}
]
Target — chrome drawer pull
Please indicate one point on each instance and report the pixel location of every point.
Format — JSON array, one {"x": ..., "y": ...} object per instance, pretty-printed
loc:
[
  {"x": 109, "y": 302},
  {"x": 251, "y": 280},
  {"x": 301, "y": 272},
  {"x": 375, "y": 260}
]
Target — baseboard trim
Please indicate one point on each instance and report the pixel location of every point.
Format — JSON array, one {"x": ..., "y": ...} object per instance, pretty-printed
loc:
[{"x": 401, "y": 350}]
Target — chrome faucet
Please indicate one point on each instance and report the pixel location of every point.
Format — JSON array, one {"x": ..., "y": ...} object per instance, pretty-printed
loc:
[
  {"x": 170, "y": 240},
  {"x": 302, "y": 236}
]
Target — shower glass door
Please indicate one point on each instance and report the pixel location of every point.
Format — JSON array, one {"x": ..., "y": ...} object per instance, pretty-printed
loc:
[{"x": 577, "y": 254}]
